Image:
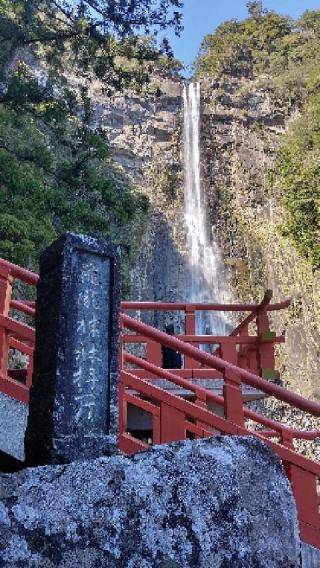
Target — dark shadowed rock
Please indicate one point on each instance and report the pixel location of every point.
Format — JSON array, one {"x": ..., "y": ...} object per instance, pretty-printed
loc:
[{"x": 216, "y": 503}]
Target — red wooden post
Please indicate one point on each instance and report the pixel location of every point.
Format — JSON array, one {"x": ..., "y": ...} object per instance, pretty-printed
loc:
[
  {"x": 232, "y": 393},
  {"x": 122, "y": 347},
  {"x": 154, "y": 353},
  {"x": 156, "y": 429},
  {"x": 201, "y": 401},
  {"x": 122, "y": 407},
  {"x": 253, "y": 361},
  {"x": 304, "y": 487},
  {"x": 29, "y": 371},
  {"x": 190, "y": 329},
  {"x": 243, "y": 353},
  {"x": 5, "y": 298},
  {"x": 172, "y": 424},
  {"x": 265, "y": 350}
]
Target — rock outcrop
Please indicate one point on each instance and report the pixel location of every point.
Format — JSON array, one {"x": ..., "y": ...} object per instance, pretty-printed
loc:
[{"x": 220, "y": 502}]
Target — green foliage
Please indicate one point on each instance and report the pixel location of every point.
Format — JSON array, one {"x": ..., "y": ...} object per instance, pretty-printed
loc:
[
  {"x": 265, "y": 44},
  {"x": 56, "y": 173},
  {"x": 243, "y": 48},
  {"x": 297, "y": 170},
  {"x": 285, "y": 56},
  {"x": 91, "y": 34}
]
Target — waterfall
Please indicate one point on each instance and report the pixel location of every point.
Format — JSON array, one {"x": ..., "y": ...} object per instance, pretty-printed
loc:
[{"x": 207, "y": 280}]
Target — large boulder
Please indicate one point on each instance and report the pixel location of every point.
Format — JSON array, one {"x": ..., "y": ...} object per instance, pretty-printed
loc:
[{"x": 222, "y": 502}]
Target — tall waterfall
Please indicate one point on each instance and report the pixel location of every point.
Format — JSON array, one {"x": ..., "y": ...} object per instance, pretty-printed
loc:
[{"x": 207, "y": 280}]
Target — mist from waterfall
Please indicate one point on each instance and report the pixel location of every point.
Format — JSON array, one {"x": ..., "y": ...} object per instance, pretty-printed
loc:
[{"x": 207, "y": 278}]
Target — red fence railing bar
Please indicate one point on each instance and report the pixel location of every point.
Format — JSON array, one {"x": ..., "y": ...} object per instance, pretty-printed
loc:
[
  {"x": 22, "y": 274},
  {"x": 213, "y": 361},
  {"x": 23, "y": 307},
  {"x": 157, "y": 306},
  {"x": 175, "y": 418}
]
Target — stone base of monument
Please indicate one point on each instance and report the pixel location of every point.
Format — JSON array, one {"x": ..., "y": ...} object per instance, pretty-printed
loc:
[{"x": 213, "y": 503}]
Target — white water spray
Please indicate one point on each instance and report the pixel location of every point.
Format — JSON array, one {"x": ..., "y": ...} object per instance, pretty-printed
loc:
[{"x": 207, "y": 279}]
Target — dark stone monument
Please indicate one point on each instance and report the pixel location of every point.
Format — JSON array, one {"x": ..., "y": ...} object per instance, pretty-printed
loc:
[{"x": 73, "y": 399}]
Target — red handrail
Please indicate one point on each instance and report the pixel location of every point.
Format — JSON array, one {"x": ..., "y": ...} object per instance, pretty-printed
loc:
[
  {"x": 213, "y": 361},
  {"x": 206, "y": 395},
  {"x": 22, "y": 274}
]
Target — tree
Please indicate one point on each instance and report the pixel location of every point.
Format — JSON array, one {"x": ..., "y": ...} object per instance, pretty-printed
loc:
[
  {"x": 255, "y": 9},
  {"x": 93, "y": 32}
]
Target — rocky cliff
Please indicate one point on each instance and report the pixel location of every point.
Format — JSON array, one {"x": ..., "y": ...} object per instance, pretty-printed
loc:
[
  {"x": 243, "y": 125},
  {"x": 145, "y": 135}
]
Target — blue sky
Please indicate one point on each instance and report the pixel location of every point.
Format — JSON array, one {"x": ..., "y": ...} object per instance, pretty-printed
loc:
[{"x": 203, "y": 16}]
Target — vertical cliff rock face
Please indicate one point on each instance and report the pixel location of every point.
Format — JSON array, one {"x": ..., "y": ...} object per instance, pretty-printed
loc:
[
  {"x": 242, "y": 128},
  {"x": 145, "y": 135}
]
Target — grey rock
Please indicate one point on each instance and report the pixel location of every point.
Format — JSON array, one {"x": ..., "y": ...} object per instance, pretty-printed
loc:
[
  {"x": 310, "y": 556},
  {"x": 13, "y": 422},
  {"x": 220, "y": 502}
]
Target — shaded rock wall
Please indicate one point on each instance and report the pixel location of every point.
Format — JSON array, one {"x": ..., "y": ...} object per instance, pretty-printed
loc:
[{"x": 197, "y": 504}]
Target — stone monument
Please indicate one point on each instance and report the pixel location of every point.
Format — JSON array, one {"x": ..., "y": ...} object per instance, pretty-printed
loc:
[{"x": 73, "y": 400}]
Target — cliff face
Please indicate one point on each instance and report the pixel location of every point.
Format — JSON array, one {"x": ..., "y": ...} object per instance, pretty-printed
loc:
[
  {"x": 145, "y": 135},
  {"x": 242, "y": 128}
]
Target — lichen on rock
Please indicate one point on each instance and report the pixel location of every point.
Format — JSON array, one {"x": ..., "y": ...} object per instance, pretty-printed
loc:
[{"x": 195, "y": 504}]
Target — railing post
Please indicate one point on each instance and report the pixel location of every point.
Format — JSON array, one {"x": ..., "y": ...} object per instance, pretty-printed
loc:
[
  {"x": 304, "y": 487},
  {"x": 232, "y": 392},
  {"x": 5, "y": 298},
  {"x": 172, "y": 424},
  {"x": 190, "y": 329},
  {"x": 74, "y": 396},
  {"x": 154, "y": 353},
  {"x": 243, "y": 350}
]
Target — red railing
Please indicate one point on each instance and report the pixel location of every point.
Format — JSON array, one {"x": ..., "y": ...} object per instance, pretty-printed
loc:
[
  {"x": 15, "y": 334},
  {"x": 239, "y": 359},
  {"x": 253, "y": 352},
  {"x": 174, "y": 418}
]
